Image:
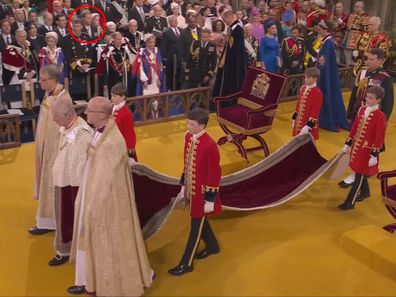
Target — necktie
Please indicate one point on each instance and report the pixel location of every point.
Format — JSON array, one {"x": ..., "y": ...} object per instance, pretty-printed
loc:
[
  {"x": 194, "y": 35},
  {"x": 177, "y": 33},
  {"x": 141, "y": 12},
  {"x": 8, "y": 40}
]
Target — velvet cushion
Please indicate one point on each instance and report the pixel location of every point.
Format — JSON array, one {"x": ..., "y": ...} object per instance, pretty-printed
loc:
[{"x": 238, "y": 116}]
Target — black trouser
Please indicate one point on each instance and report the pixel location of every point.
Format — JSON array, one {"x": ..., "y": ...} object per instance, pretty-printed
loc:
[
  {"x": 360, "y": 185},
  {"x": 200, "y": 228}
]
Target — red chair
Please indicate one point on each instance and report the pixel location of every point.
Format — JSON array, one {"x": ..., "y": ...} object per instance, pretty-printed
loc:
[
  {"x": 388, "y": 196},
  {"x": 251, "y": 111}
]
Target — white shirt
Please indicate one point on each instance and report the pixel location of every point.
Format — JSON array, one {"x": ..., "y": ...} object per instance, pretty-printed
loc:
[
  {"x": 370, "y": 109},
  {"x": 89, "y": 32},
  {"x": 118, "y": 106}
]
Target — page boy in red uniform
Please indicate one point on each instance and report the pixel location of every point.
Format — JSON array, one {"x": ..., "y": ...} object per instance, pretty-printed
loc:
[
  {"x": 305, "y": 117},
  {"x": 200, "y": 185},
  {"x": 364, "y": 144},
  {"x": 124, "y": 117}
]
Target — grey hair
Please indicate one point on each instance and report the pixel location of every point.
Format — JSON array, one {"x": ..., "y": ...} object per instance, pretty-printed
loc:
[
  {"x": 64, "y": 106},
  {"x": 53, "y": 72}
]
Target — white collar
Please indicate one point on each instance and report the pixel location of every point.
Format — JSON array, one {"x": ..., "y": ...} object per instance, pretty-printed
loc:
[
  {"x": 118, "y": 106},
  {"x": 370, "y": 109},
  {"x": 311, "y": 86},
  {"x": 70, "y": 133},
  {"x": 198, "y": 135}
]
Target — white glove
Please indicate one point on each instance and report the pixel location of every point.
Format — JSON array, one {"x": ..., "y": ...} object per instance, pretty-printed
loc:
[
  {"x": 305, "y": 130},
  {"x": 355, "y": 54},
  {"x": 181, "y": 194},
  {"x": 346, "y": 149},
  {"x": 208, "y": 207},
  {"x": 373, "y": 161},
  {"x": 132, "y": 161}
]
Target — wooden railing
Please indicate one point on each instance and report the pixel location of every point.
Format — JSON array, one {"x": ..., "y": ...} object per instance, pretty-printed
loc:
[
  {"x": 168, "y": 106},
  {"x": 9, "y": 131},
  {"x": 173, "y": 105},
  {"x": 294, "y": 83}
]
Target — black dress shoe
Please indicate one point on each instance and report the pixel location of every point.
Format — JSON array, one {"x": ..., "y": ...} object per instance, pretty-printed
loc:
[
  {"x": 58, "y": 260},
  {"x": 205, "y": 253},
  {"x": 38, "y": 231},
  {"x": 344, "y": 185},
  {"x": 76, "y": 290},
  {"x": 180, "y": 269},
  {"x": 346, "y": 206},
  {"x": 361, "y": 197}
]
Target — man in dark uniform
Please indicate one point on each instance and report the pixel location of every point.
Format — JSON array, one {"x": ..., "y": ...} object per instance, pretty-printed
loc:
[
  {"x": 233, "y": 62},
  {"x": 375, "y": 75},
  {"x": 293, "y": 53},
  {"x": 169, "y": 53},
  {"x": 156, "y": 25},
  {"x": 187, "y": 36},
  {"x": 78, "y": 54},
  {"x": 202, "y": 60}
]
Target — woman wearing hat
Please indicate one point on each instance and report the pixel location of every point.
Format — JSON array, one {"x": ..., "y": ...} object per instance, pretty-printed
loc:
[{"x": 51, "y": 54}]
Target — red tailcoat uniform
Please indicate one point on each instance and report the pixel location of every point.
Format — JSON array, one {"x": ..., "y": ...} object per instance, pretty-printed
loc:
[
  {"x": 307, "y": 110},
  {"x": 124, "y": 119},
  {"x": 366, "y": 139},
  {"x": 202, "y": 173},
  {"x": 319, "y": 13}
]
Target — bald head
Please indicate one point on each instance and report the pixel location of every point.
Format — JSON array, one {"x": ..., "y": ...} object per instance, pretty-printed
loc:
[
  {"x": 132, "y": 26},
  {"x": 102, "y": 104}
]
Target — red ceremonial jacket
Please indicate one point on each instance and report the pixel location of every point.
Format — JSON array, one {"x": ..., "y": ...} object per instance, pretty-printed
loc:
[
  {"x": 366, "y": 139},
  {"x": 307, "y": 110},
  {"x": 124, "y": 119},
  {"x": 202, "y": 173}
]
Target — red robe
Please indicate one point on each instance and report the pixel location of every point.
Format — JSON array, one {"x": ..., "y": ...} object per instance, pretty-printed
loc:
[
  {"x": 202, "y": 173},
  {"x": 307, "y": 110},
  {"x": 366, "y": 139},
  {"x": 124, "y": 119}
]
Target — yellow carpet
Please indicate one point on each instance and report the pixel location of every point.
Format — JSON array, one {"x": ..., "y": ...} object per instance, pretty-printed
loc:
[{"x": 290, "y": 250}]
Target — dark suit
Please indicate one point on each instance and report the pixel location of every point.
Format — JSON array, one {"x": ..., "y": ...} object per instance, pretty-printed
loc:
[
  {"x": 77, "y": 3},
  {"x": 43, "y": 30},
  {"x": 3, "y": 44},
  {"x": 60, "y": 37},
  {"x": 156, "y": 25},
  {"x": 169, "y": 52},
  {"x": 5, "y": 12},
  {"x": 134, "y": 14},
  {"x": 94, "y": 32},
  {"x": 14, "y": 27},
  {"x": 111, "y": 13}
]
